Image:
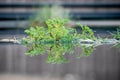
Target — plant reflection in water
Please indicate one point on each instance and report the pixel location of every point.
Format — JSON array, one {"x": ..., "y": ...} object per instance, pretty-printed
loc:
[
  {"x": 56, "y": 51},
  {"x": 57, "y": 40}
]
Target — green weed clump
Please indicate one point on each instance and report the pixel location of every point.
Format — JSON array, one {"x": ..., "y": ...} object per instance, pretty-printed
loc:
[
  {"x": 56, "y": 39},
  {"x": 87, "y": 33},
  {"x": 55, "y": 32}
]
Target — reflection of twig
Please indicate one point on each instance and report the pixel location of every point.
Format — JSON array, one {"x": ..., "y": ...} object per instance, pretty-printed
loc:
[
  {"x": 117, "y": 44},
  {"x": 9, "y": 40},
  {"x": 97, "y": 42}
]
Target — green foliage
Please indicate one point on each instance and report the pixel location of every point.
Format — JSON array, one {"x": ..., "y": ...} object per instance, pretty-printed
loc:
[
  {"x": 57, "y": 31},
  {"x": 117, "y": 36},
  {"x": 56, "y": 40},
  {"x": 49, "y": 31},
  {"x": 86, "y": 51},
  {"x": 56, "y": 53},
  {"x": 55, "y": 37},
  {"x": 87, "y": 33}
]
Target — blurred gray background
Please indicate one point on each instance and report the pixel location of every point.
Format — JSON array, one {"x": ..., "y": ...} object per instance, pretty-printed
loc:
[{"x": 103, "y": 64}]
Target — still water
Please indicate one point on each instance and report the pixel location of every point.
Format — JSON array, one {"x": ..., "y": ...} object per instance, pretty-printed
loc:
[{"x": 102, "y": 64}]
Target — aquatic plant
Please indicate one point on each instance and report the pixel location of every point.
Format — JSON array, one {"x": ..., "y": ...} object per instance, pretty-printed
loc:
[{"x": 58, "y": 36}]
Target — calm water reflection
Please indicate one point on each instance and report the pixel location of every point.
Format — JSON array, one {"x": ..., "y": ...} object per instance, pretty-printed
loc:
[{"x": 102, "y": 64}]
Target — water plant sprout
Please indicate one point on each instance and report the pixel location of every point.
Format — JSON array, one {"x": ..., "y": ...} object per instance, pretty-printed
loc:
[{"x": 57, "y": 40}]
